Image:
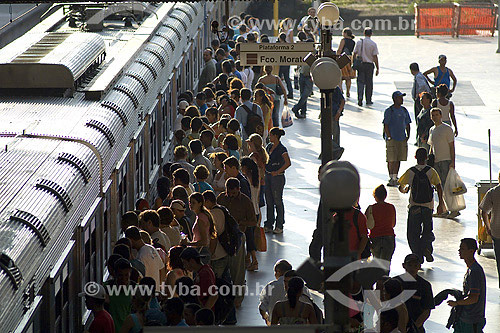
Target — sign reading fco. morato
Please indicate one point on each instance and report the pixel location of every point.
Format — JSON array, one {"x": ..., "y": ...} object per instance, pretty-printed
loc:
[{"x": 252, "y": 54}]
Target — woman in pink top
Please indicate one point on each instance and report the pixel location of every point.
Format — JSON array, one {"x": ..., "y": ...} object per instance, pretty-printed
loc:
[
  {"x": 381, "y": 220},
  {"x": 204, "y": 235},
  {"x": 176, "y": 270}
]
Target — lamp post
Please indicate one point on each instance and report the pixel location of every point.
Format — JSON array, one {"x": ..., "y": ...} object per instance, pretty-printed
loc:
[{"x": 339, "y": 189}]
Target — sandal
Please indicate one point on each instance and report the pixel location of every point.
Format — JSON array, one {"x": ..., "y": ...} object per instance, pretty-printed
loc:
[{"x": 253, "y": 267}]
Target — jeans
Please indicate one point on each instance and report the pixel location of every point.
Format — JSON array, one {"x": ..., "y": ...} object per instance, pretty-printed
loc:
[
  {"x": 496, "y": 247},
  {"x": 336, "y": 133},
  {"x": 365, "y": 81},
  {"x": 285, "y": 72},
  {"x": 250, "y": 236},
  {"x": 274, "y": 198},
  {"x": 237, "y": 268},
  {"x": 306, "y": 87},
  {"x": 383, "y": 247},
  {"x": 220, "y": 266},
  {"x": 419, "y": 230},
  {"x": 276, "y": 115},
  {"x": 442, "y": 168}
]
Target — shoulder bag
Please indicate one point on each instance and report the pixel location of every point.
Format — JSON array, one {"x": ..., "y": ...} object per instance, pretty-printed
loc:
[{"x": 356, "y": 62}]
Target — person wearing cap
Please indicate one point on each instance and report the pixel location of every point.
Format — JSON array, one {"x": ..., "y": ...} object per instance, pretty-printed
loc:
[
  {"x": 181, "y": 109},
  {"x": 94, "y": 301},
  {"x": 368, "y": 50},
  {"x": 421, "y": 303},
  {"x": 208, "y": 72},
  {"x": 419, "y": 228},
  {"x": 204, "y": 276},
  {"x": 442, "y": 74},
  {"x": 396, "y": 133}
]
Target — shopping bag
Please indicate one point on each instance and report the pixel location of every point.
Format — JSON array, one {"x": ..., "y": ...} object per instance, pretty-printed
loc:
[
  {"x": 454, "y": 202},
  {"x": 260, "y": 239},
  {"x": 456, "y": 183},
  {"x": 286, "y": 117}
]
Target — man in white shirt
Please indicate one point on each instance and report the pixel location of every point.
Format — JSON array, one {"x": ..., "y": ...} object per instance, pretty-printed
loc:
[
  {"x": 367, "y": 49},
  {"x": 148, "y": 255},
  {"x": 181, "y": 109},
  {"x": 275, "y": 291},
  {"x": 442, "y": 142},
  {"x": 149, "y": 221}
]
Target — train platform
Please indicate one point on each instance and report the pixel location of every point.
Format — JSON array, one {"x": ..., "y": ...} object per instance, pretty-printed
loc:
[{"x": 477, "y": 68}]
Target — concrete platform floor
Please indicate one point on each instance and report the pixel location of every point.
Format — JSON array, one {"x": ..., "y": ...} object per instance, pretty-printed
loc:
[{"x": 472, "y": 59}]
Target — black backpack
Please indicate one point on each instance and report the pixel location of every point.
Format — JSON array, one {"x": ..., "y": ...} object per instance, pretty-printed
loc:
[
  {"x": 254, "y": 121},
  {"x": 231, "y": 238},
  {"x": 225, "y": 300},
  {"x": 421, "y": 189}
]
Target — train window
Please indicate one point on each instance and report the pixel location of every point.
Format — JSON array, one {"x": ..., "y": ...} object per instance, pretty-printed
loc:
[
  {"x": 187, "y": 75},
  {"x": 173, "y": 110},
  {"x": 139, "y": 165},
  {"x": 196, "y": 59}
]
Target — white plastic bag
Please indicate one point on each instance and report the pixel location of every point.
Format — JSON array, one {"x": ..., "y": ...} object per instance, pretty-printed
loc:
[
  {"x": 286, "y": 117},
  {"x": 453, "y": 191}
]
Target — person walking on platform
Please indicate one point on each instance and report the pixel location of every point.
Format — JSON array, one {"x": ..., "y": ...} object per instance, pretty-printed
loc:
[
  {"x": 491, "y": 205},
  {"x": 347, "y": 46},
  {"x": 396, "y": 133},
  {"x": 420, "y": 85},
  {"x": 442, "y": 74},
  {"x": 368, "y": 51},
  {"x": 420, "y": 179}
]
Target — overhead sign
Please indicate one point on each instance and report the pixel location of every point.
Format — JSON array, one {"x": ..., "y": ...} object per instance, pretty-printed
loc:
[{"x": 284, "y": 54}]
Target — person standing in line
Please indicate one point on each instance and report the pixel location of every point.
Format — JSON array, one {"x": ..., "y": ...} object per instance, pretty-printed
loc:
[
  {"x": 278, "y": 162},
  {"x": 396, "y": 133},
  {"x": 473, "y": 315},
  {"x": 381, "y": 220},
  {"x": 208, "y": 72},
  {"x": 347, "y": 46},
  {"x": 368, "y": 50},
  {"x": 491, "y": 205},
  {"x": 442, "y": 74},
  {"x": 442, "y": 143},
  {"x": 421, "y": 302},
  {"x": 272, "y": 82},
  {"x": 103, "y": 322},
  {"x": 149, "y": 221},
  {"x": 246, "y": 107},
  {"x": 420, "y": 179},
  {"x": 424, "y": 121},
  {"x": 420, "y": 85}
]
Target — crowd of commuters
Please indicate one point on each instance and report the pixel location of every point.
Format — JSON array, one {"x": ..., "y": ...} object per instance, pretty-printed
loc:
[{"x": 229, "y": 162}]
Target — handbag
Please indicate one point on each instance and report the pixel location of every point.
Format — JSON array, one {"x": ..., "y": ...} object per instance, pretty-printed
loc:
[
  {"x": 286, "y": 117},
  {"x": 356, "y": 62},
  {"x": 370, "y": 221},
  {"x": 260, "y": 239},
  {"x": 279, "y": 90}
]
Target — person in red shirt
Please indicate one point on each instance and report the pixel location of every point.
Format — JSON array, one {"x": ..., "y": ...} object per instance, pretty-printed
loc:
[
  {"x": 381, "y": 219},
  {"x": 94, "y": 301},
  {"x": 204, "y": 277},
  {"x": 357, "y": 240}
]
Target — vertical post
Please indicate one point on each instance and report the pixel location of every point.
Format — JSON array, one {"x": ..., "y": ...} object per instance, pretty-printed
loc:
[
  {"x": 276, "y": 17},
  {"x": 326, "y": 127},
  {"x": 489, "y": 155}
]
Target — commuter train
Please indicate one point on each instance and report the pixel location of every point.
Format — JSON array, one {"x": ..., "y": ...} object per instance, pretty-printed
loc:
[{"x": 85, "y": 124}]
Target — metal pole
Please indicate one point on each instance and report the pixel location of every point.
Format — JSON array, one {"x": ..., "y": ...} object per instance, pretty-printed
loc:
[
  {"x": 489, "y": 154},
  {"x": 276, "y": 17}
]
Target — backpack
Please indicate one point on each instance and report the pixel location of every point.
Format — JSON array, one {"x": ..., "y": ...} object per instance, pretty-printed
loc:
[
  {"x": 421, "y": 189},
  {"x": 254, "y": 121},
  {"x": 231, "y": 238},
  {"x": 225, "y": 300}
]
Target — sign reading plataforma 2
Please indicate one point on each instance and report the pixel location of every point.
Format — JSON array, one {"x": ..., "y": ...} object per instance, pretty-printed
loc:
[{"x": 253, "y": 54}]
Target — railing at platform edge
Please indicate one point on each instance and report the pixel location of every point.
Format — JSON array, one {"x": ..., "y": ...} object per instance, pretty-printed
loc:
[{"x": 456, "y": 19}]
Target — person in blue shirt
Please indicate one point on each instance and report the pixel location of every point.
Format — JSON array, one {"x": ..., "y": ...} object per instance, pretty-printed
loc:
[
  {"x": 200, "y": 100},
  {"x": 201, "y": 174},
  {"x": 396, "y": 133}
]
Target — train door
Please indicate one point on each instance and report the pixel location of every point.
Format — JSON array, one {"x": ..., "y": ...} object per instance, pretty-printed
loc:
[
  {"x": 139, "y": 163},
  {"x": 106, "y": 222},
  {"x": 60, "y": 293},
  {"x": 121, "y": 193}
]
